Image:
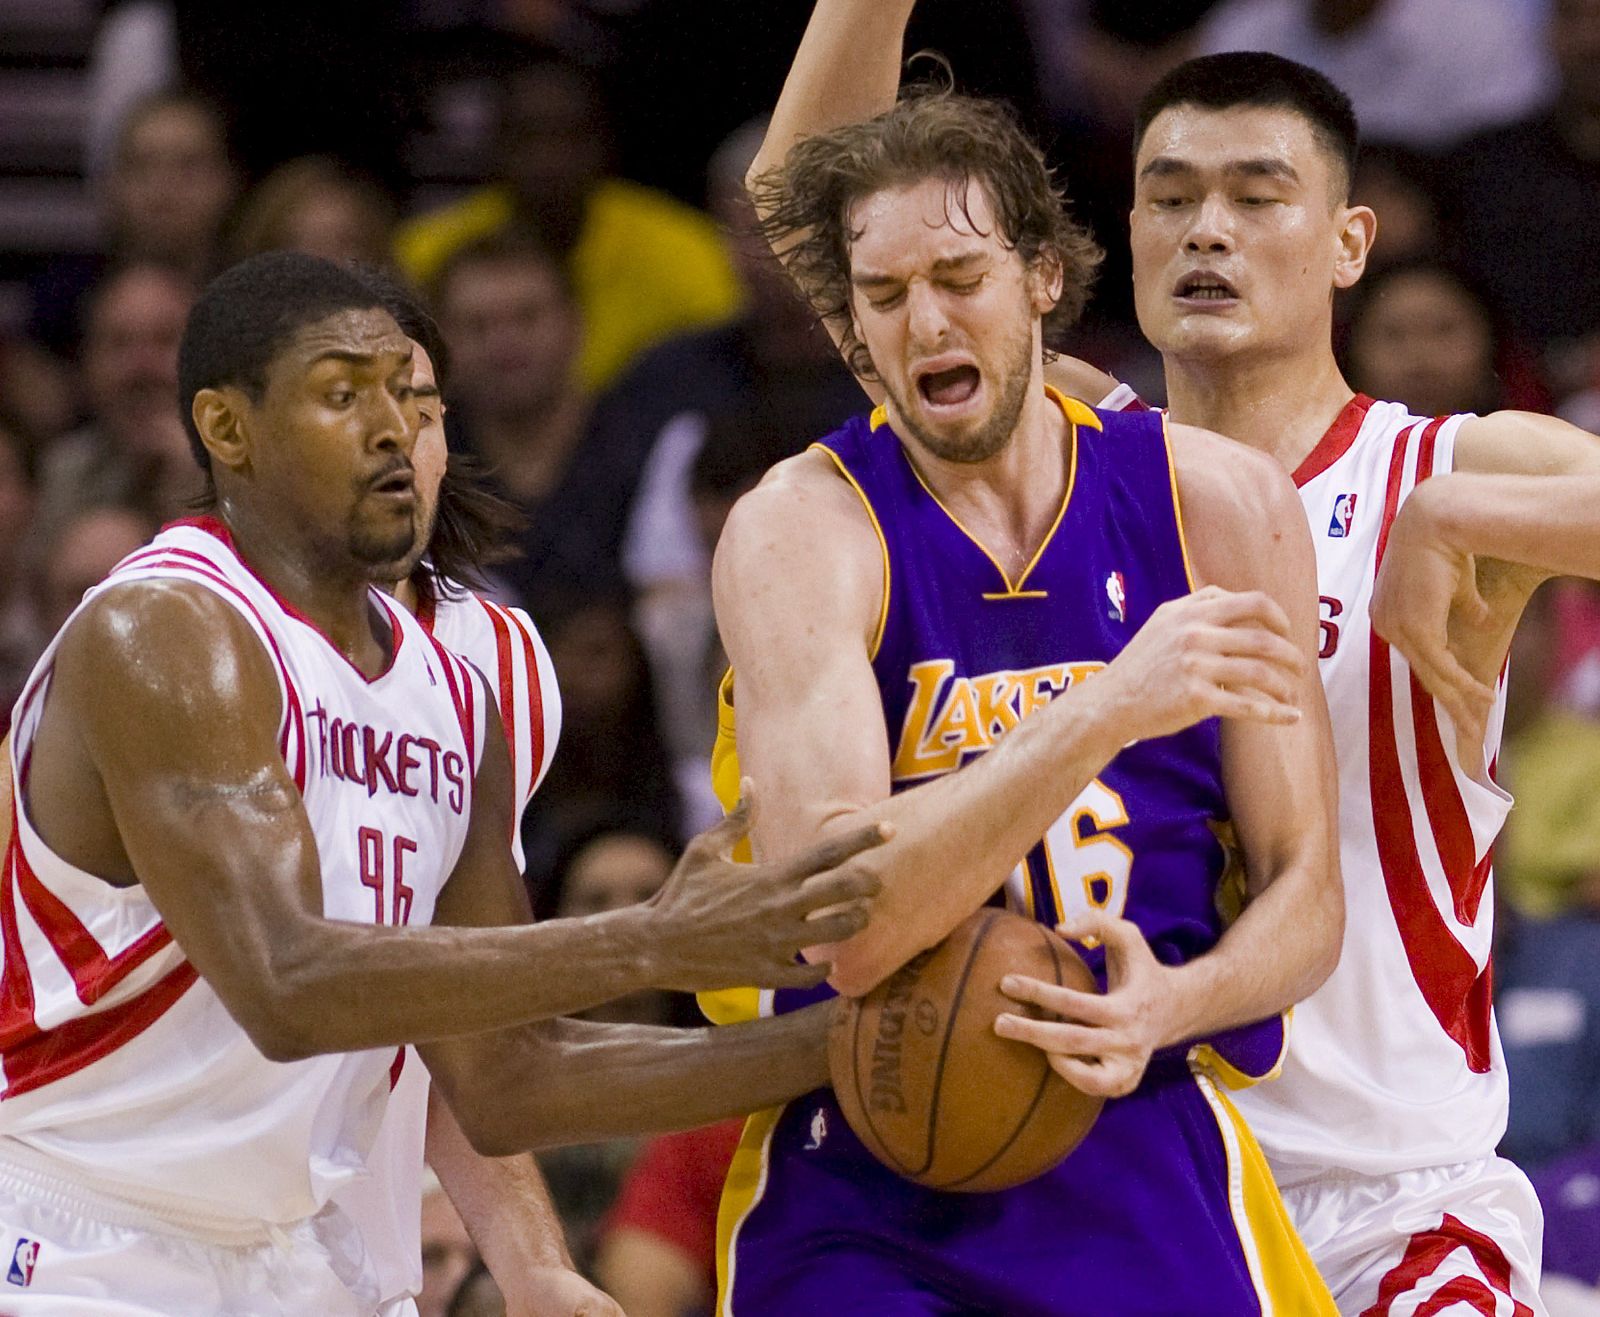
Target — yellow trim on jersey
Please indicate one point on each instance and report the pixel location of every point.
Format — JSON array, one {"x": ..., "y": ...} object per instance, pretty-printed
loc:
[
  {"x": 1077, "y": 414},
  {"x": 883, "y": 546},
  {"x": 1177, "y": 503},
  {"x": 1286, "y": 1280},
  {"x": 1205, "y": 1056},
  {"x": 741, "y": 1191},
  {"x": 728, "y": 1005}
]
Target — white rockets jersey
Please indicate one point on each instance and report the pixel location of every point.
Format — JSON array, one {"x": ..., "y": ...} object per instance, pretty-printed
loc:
[
  {"x": 1394, "y": 1063},
  {"x": 386, "y": 1207},
  {"x": 120, "y": 1064}
]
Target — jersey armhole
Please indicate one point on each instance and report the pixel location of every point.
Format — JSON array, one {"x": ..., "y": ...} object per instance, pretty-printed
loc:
[
  {"x": 883, "y": 545},
  {"x": 1177, "y": 504}
]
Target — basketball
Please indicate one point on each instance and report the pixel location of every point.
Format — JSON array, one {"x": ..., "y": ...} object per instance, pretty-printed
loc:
[{"x": 930, "y": 1088}]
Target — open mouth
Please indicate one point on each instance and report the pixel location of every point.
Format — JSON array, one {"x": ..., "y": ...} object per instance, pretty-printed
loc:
[
  {"x": 394, "y": 484},
  {"x": 951, "y": 387},
  {"x": 1203, "y": 286}
]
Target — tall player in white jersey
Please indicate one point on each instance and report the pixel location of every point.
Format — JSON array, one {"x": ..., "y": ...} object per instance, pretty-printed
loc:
[
  {"x": 242, "y": 780},
  {"x": 1432, "y": 533}
]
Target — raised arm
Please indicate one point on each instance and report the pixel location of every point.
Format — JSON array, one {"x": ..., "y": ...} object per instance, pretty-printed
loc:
[
  {"x": 157, "y": 761},
  {"x": 798, "y": 582},
  {"x": 1248, "y": 533},
  {"x": 846, "y": 71},
  {"x": 1468, "y": 549}
]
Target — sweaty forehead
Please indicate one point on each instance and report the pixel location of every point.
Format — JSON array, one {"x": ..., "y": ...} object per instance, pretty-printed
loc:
[
  {"x": 1206, "y": 139},
  {"x": 936, "y": 216},
  {"x": 365, "y": 332}
]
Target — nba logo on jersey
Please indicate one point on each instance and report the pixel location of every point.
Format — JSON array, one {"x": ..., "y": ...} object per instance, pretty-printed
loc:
[
  {"x": 1344, "y": 513},
  {"x": 23, "y": 1259},
  {"x": 1116, "y": 597}
]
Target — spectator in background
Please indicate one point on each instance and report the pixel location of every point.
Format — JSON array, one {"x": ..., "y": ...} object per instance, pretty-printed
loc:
[
  {"x": 79, "y": 553},
  {"x": 166, "y": 195},
  {"x": 133, "y": 448},
  {"x": 21, "y": 636},
  {"x": 1422, "y": 72},
  {"x": 1402, "y": 186},
  {"x": 612, "y": 771},
  {"x": 1418, "y": 333},
  {"x": 774, "y": 367},
  {"x": 658, "y": 1245},
  {"x": 641, "y": 265},
  {"x": 320, "y": 206},
  {"x": 1526, "y": 208},
  {"x": 513, "y": 329},
  {"x": 449, "y": 1257}
]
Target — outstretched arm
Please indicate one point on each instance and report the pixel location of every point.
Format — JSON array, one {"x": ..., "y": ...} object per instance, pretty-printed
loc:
[
  {"x": 157, "y": 761},
  {"x": 798, "y": 582},
  {"x": 506, "y": 1208},
  {"x": 1469, "y": 547},
  {"x": 1248, "y": 532}
]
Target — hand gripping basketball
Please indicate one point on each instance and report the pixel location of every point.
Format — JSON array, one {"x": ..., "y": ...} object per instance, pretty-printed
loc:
[{"x": 719, "y": 923}]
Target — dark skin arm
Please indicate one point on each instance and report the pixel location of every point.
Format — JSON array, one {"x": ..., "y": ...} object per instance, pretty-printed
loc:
[
  {"x": 574, "y": 1081},
  {"x": 157, "y": 760}
]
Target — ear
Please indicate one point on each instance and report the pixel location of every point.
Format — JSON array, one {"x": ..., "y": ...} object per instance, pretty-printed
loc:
[
  {"x": 1046, "y": 279},
  {"x": 220, "y": 415},
  {"x": 1356, "y": 236}
]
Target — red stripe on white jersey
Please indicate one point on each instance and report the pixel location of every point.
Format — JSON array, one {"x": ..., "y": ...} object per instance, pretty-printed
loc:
[
  {"x": 1450, "y": 981},
  {"x": 1427, "y": 1254},
  {"x": 508, "y": 693},
  {"x": 459, "y": 679},
  {"x": 536, "y": 747},
  {"x": 44, "y": 1057}
]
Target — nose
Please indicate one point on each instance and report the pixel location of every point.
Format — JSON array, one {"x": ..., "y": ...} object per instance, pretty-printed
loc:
[
  {"x": 1209, "y": 231},
  {"x": 925, "y": 315},
  {"x": 392, "y": 424}
]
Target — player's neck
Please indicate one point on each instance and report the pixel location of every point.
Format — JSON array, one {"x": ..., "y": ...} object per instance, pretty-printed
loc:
[
  {"x": 335, "y": 596},
  {"x": 1011, "y": 500},
  {"x": 1280, "y": 407}
]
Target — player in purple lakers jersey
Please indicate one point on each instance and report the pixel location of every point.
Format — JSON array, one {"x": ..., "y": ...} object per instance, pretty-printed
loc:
[{"x": 1064, "y": 652}]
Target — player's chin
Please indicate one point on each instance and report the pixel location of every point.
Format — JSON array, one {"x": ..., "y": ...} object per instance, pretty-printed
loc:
[{"x": 383, "y": 547}]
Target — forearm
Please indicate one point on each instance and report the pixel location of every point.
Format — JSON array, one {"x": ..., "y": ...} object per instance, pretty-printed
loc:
[
  {"x": 1548, "y": 523},
  {"x": 502, "y": 1201},
  {"x": 1278, "y": 952},
  {"x": 957, "y": 838},
  {"x": 339, "y": 987},
  {"x": 578, "y": 1082},
  {"x": 847, "y": 70}
]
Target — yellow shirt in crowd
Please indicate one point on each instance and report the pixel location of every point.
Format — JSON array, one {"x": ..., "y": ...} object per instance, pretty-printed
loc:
[{"x": 645, "y": 267}]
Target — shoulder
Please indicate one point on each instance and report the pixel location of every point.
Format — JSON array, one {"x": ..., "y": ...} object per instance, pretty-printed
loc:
[
  {"x": 1239, "y": 507},
  {"x": 176, "y": 639},
  {"x": 1078, "y": 379},
  {"x": 424, "y": 244},
  {"x": 802, "y": 531}
]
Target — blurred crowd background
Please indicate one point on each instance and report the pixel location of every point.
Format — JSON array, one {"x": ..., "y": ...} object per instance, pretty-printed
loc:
[{"x": 561, "y": 179}]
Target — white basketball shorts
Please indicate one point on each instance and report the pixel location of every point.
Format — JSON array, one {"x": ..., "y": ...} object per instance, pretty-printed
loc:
[
  {"x": 1447, "y": 1241},
  {"x": 66, "y": 1255}
]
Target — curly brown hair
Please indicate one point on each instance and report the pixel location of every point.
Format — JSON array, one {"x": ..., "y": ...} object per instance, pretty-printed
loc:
[{"x": 930, "y": 133}]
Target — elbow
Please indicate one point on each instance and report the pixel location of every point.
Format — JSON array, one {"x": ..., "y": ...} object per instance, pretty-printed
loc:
[
  {"x": 279, "y": 1032},
  {"x": 488, "y": 1134},
  {"x": 285, "y": 1011},
  {"x": 1330, "y": 940}
]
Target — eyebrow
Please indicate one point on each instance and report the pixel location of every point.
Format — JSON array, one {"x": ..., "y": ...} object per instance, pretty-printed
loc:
[
  {"x": 427, "y": 391},
  {"x": 944, "y": 265},
  {"x": 356, "y": 358},
  {"x": 1166, "y": 166}
]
